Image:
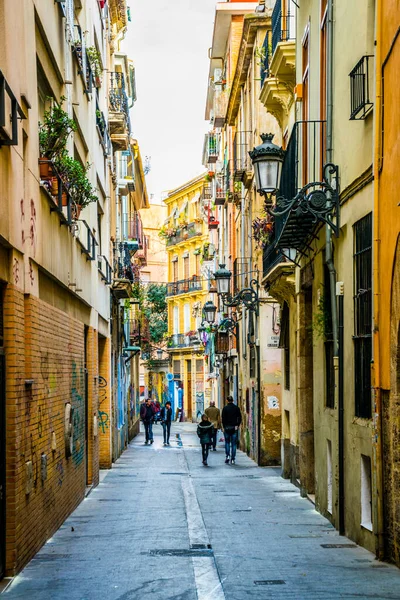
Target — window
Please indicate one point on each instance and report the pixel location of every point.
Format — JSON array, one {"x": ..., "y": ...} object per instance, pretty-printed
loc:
[
  {"x": 176, "y": 319},
  {"x": 186, "y": 267},
  {"x": 361, "y": 84},
  {"x": 147, "y": 237},
  {"x": 328, "y": 345},
  {"x": 329, "y": 475},
  {"x": 363, "y": 315},
  {"x": 177, "y": 369},
  {"x": 198, "y": 265},
  {"x": 175, "y": 270},
  {"x": 366, "y": 493},
  {"x": 305, "y": 102},
  {"x": 322, "y": 75},
  {"x": 284, "y": 343},
  {"x": 186, "y": 318}
]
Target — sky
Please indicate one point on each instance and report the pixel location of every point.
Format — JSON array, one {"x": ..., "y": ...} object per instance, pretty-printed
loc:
[{"x": 168, "y": 41}]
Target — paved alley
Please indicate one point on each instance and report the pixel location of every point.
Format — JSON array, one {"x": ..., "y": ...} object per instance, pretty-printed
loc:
[{"x": 162, "y": 526}]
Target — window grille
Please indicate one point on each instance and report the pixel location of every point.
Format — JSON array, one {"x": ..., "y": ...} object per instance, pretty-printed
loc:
[
  {"x": 363, "y": 316},
  {"x": 360, "y": 89}
]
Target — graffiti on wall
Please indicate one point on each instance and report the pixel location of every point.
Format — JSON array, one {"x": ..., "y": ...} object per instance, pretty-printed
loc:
[
  {"x": 102, "y": 390},
  {"x": 77, "y": 401},
  {"x": 103, "y": 421}
]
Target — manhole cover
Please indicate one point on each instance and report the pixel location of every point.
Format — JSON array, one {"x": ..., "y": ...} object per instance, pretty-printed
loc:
[
  {"x": 182, "y": 553},
  {"x": 270, "y": 582},
  {"x": 338, "y": 545}
]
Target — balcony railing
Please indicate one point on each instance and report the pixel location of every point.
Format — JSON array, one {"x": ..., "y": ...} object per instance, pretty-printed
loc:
[
  {"x": 220, "y": 190},
  {"x": 360, "y": 86},
  {"x": 283, "y": 25},
  {"x": 86, "y": 239},
  {"x": 189, "y": 231},
  {"x": 220, "y": 106},
  {"x": 102, "y": 129},
  {"x": 10, "y": 112},
  {"x": 211, "y": 148},
  {"x": 141, "y": 254},
  {"x": 265, "y": 58},
  {"x": 82, "y": 59},
  {"x": 181, "y": 340},
  {"x": 303, "y": 164},
  {"x": 133, "y": 228},
  {"x": 104, "y": 269},
  {"x": 242, "y": 274},
  {"x": 184, "y": 286},
  {"x": 57, "y": 192},
  {"x": 207, "y": 192},
  {"x": 241, "y": 159},
  {"x": 119, "y": 120},
  {"x": 135, "y": 333}
]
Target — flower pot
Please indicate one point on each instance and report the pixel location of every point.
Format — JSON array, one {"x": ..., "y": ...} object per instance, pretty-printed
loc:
[
  {"x": 54, "y": 186},
  {"x": 76, "y": 211},
  {"x": 45, "y": 168}
]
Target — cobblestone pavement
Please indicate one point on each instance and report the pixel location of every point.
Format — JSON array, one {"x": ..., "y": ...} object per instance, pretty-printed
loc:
[{"x": 163, "y": 527}]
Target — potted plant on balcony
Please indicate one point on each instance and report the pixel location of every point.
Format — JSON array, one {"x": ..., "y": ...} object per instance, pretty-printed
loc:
[
  {"x": 53, "y": 136},
  {"x": 94, "y": 57},
  {"x": 262, "y": 230},
  {"x": 74, "y": 176}
]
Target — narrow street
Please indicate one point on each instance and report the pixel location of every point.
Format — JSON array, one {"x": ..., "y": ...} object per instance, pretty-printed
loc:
[{"x": 162, "y": 526}]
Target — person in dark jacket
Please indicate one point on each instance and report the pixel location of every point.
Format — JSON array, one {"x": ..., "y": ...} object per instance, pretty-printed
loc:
[
  {"x": 231, "y": 420},
  {"x": 147, "y": 411},
  {"x": 205, "y": 433},
  {"x": 166, "y": 417}
]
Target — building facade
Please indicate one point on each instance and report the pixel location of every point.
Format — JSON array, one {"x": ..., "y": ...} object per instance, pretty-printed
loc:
[
  {"x": 386, "y": 362},
  {"x": 313, "y": 90},
  {"x": 250, "y": 367},
  {"x": 58, "y": 259},
  {"x": 186, "y": 238}
]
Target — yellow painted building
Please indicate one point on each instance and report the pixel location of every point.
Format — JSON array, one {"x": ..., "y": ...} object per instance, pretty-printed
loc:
[{"x": 186, "y": 234}]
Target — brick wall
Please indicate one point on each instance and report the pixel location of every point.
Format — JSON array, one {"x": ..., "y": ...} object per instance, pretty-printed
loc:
[
  {"x": 47, "y": 346},
  {"x": 104, "y": 415}
]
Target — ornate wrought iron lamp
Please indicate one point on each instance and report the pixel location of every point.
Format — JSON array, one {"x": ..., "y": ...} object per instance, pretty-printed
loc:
[
  {"x": 318, "y": 199},
  {"x": 248, "y": 296}
]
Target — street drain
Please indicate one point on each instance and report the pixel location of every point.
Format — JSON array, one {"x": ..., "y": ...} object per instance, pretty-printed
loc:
[
  {"x": 270, "y": 582},
  {"x": 305, "y": 536},
  {"x": 200, "y": 546},
  {"x": 172, "y": 473},
  {"x": 338, "y": 545},
  {"x": 48, "y": 557},
  {"x": 286, "y": 491},
  {"x": 183, "y": 553},
  {"x": 242, "y": 510},
  {"x": 108, "y": 499}
]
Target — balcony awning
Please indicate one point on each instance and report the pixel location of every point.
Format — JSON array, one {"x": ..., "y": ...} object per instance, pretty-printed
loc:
[
  {"x": 183, "y": 208},
  {"x": 196, "y": 198}
]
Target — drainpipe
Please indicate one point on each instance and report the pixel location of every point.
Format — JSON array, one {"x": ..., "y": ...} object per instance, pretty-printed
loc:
[
  {"x": 338, "y": 364},
  {"x": 377, "y": 446}
]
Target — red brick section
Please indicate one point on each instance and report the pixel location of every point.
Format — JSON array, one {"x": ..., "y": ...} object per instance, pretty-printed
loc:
[
  {"x": 46, "y": 345},
  {"x": 104, "y": 416}
]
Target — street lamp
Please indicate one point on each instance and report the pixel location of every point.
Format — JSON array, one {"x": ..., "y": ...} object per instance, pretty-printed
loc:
[
  {"x": 267, "y": 159},
  {"x": 248, "y": 296},
  {"x": 223, "y": 279},
  {"x": 209, "y": 310},
  {"x": 317, "y": 199},
  {"x": 159, "y": 354}
]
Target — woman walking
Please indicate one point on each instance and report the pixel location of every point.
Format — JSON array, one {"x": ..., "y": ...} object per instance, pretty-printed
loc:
[{"x": 205, "y": 431}]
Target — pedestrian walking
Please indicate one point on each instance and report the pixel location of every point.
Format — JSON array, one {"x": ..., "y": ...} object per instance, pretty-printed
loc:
[
  {"x": 204, "y": 431},
  {"x": 147, "y": 411},
  {"x": 214, "y": 415},
  {"x": 231, "y": 420},
  {"x": 166, "y": 418}
]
